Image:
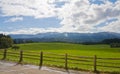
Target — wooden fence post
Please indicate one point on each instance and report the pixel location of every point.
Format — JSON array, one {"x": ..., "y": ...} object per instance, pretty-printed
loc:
[
  {"x": 66, "y": 62},
  {"x": 4, "y": 54},
  {"x": 21, "y": 57},
  {"x": 41, "y": 60},
  {"x": 95, "y": 63}
]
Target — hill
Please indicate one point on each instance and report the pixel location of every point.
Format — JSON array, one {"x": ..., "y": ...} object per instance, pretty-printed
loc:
[{"x": 67, "y": 37}]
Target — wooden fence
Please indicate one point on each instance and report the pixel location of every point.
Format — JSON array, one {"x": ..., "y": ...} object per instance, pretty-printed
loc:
[{"x": 65, "y": 59}]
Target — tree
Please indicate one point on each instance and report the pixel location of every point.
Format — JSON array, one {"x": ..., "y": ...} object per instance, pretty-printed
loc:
[
  {"x": 5, "y": 41},
  {"x": 112, "y": 42},
  {"x": 109, "y": 41}
]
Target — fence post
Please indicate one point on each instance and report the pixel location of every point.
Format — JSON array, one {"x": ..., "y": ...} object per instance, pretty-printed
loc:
[
  {"x": 66, "y": 62},
  {"x": 21, "y": 57},
  {"x": 41, "y": 60},
  {"x": 4, "y": 54},
  {"x": 95, "y": 63}
]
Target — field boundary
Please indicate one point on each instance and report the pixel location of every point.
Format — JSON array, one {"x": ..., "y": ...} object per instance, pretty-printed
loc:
[{"x": 92, "y": 61}]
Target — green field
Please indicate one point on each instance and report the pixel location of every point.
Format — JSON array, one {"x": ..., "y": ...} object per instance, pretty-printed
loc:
[{"x": 101, "y": 51}]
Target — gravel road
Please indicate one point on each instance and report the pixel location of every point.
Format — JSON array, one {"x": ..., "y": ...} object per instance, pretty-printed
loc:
[{"x": 12, "y": 68}]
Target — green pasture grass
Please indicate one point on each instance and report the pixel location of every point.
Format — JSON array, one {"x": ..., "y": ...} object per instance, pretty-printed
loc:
[{"x": 101, "y": 51}]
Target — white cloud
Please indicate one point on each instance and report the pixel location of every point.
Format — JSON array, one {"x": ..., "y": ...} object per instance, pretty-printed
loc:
[
  {"x": 112, "y": 27},
  {"x": 81, "y": 16},
  {"x": 35, "y": 8},
  {"x": 32, "y": 31},
  {"x": 14, "y": 19},
  {"x": 75, "y": 15}
]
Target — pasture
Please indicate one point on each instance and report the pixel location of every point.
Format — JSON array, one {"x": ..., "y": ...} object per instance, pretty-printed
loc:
[{"x": 101, "y": 51}]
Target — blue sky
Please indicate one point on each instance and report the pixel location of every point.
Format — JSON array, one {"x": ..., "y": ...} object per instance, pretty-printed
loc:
[
  {"x": 29, "y": 22},
  {"x": 39, "y": 16}
]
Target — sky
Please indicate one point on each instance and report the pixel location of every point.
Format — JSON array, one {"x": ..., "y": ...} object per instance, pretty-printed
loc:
[{"x": 41, "y": 16}]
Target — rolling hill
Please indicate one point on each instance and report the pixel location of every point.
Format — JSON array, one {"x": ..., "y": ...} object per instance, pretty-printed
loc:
[{"x": 67, "y": 37}]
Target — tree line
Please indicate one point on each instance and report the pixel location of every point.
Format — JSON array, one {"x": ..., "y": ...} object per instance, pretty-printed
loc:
[
  {"x": 5, "y": 41},
  {"x": 114, "y": 43},
  {"x": 109, "y": 41}
]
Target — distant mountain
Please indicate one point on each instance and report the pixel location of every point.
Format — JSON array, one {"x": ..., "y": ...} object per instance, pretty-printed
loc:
[{"x": 67, "y": 37}]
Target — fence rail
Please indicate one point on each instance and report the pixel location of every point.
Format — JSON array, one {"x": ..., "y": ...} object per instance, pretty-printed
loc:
[{"x": 64, "y": 59}]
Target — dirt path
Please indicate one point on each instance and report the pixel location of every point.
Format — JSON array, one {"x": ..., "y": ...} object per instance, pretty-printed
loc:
[{"x": 12, "y": 68}]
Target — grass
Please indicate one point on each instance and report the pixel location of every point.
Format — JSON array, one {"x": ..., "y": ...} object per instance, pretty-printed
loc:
[{"x": 102, "y": 51}]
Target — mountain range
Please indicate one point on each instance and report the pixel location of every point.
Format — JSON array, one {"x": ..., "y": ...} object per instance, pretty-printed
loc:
[{"x": 67, "y": 37}]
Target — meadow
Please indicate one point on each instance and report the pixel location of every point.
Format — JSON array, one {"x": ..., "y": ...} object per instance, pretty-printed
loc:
[{"x": 101, "y": 51}]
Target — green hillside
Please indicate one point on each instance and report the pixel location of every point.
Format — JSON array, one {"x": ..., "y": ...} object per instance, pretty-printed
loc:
[
  {"x": 32, "y": 50},
  {"x": 73, "y": 49}
]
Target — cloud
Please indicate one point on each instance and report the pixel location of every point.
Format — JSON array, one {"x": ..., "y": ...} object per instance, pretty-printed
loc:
[
  {"x": 75, "y": 15},
  {"x": 14, "y": 19},
  {"x": 35, "y": 8},
  {"x": 82, "y": 16},
  {"x": 112, "y": 27},
  {"x": 36, "y": 30},
  {"x": 32, "y": 31}
]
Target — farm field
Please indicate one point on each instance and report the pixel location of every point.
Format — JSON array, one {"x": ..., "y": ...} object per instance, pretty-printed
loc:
[{"x": 101, "y": 51}]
